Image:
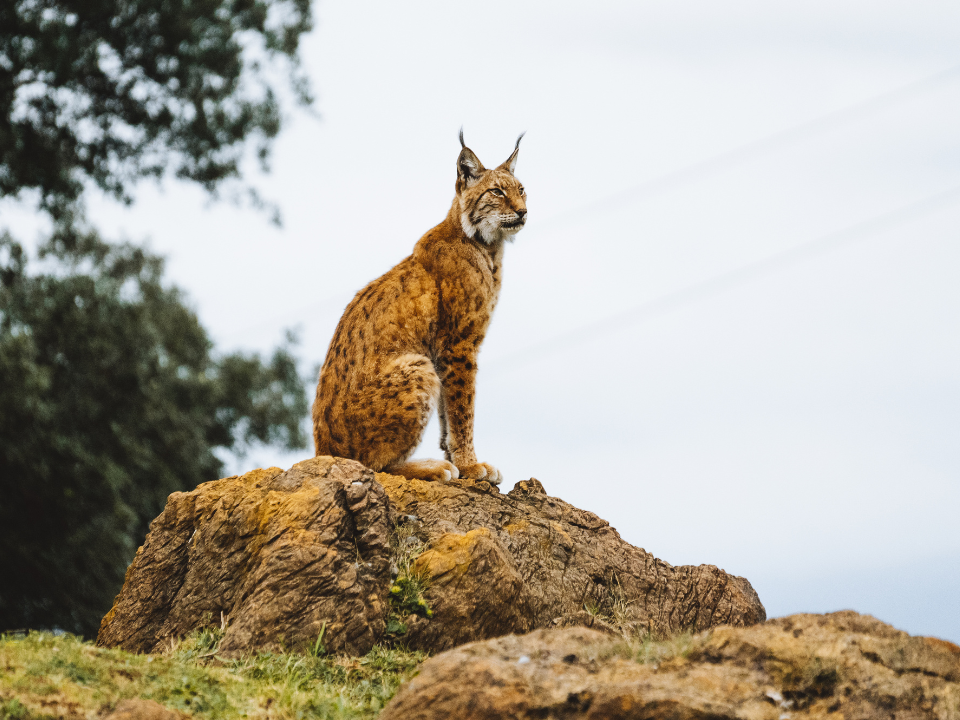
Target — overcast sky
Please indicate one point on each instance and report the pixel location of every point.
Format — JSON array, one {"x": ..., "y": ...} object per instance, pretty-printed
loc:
[{"x": 730, "y": 326}]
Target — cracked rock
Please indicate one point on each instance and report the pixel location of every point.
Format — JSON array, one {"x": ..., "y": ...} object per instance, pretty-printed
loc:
[
  {"x": 498, "y": 564},
  {"x": 281, "y": 555}
]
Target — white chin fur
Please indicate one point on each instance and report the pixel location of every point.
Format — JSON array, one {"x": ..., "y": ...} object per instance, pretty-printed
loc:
[
  {"x": 468, "y": 227},
  {"x": 489, "y": 229}
]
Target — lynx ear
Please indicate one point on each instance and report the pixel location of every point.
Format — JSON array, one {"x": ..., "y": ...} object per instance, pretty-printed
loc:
[
  {"x": 511, "y": 162},
  {"x": 469, "y": 167}
]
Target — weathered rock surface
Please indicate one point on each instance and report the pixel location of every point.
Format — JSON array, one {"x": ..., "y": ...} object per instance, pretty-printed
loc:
[
  {"x": 841, "y": 665},
  {"x": 281, "y": 553},
  {"x": 278, "y": 553},
  {"x": 498, "y": 564}
]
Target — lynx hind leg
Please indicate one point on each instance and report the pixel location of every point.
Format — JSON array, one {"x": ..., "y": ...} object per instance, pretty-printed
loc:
[
  {"x": 425, "y": 470},
  {"x": 400, "y": 403}
]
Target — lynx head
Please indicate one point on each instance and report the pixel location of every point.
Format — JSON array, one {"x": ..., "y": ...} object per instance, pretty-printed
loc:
[{"x": 493, "y": 203}]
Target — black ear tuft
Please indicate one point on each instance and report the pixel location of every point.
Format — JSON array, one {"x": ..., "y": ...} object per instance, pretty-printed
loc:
[
  {"x": 511, "y": 162},
  {"x": 461, "y": 137}
]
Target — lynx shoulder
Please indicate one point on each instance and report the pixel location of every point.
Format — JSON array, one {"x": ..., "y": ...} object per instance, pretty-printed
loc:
[{"x": 407, "y": 343}]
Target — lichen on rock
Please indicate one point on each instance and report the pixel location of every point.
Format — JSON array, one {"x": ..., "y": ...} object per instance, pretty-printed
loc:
[
  {"x": 284, "y": 556},
  {"x": 280, "y": 554}
]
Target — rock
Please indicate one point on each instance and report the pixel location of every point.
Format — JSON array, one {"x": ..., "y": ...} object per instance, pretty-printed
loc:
[
  {"x": 280, "y": 554},
  {"x": 497, "y": 564},
  {"x": 136, "y": 709},
  {"x": 841, "y": 665}
]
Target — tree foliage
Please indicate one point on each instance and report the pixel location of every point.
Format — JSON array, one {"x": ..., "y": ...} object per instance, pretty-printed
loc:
[
  {"x": 111, "y": 396},
  {"x": 110, "y": 399},
  {"x": 111, "y": 91}
]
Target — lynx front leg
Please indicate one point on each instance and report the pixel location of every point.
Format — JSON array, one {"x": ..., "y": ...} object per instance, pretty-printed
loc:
[
  {"x": 456, "y": 403},
  {"x": 442, "y": 417}
]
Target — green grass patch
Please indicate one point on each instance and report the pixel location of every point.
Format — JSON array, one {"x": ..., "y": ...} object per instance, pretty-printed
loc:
[
  {"x": 652, "y": 651},
  {"x": 647, "y": 649},
  {"x": 408, "y": 588},
  {"x": 44, "y": 675}
]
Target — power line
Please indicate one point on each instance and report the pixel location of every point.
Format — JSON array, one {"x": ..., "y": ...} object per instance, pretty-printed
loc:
[
  {"x": 733, "y": 278},
  {"x": 698, "y": 170},
  {"x": 756, "y": 148}
]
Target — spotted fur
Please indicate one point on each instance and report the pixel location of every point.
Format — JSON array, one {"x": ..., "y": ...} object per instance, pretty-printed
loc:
[{"x": 407, "y": 343}]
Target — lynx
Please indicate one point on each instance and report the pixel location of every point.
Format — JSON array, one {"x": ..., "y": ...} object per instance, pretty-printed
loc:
[{"x": 407, "y": 343}]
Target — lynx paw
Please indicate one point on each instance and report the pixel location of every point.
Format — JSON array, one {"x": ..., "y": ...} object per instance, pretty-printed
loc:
[
  {"x": 448, "y": 470},
  {"x": 433, "y": 470},
  {"x": 482, "y": 471}
]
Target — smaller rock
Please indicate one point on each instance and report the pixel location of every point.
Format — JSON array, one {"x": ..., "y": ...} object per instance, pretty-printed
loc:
[
  {"x": 528, "y": 487},
  {"x": 774, "y": 696},
  {"x": 802, "y": 667},
  {"x": 484, "y": 486}
]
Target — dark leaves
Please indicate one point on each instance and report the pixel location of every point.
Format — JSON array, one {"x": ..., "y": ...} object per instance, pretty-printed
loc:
[
  {"x": 110, "y": 399},
  {"x": 116, "y": 90}
]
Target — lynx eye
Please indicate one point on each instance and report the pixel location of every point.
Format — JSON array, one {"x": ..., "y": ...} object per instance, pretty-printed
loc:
[
  {"x": 522, "y": 191},
  {"x": 497, "y": 191}
]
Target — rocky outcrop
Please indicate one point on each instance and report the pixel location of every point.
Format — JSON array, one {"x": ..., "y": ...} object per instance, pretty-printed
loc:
[
  {"x": 841, "y": 665},
  {"x": 279, "y": 556},
  {"x": 282, "y": 556}
]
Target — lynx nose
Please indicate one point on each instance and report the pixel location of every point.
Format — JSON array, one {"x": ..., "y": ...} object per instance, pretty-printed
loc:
[{"x": 521, "y": 214}]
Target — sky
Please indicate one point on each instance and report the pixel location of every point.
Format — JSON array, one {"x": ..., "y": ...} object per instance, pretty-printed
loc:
[{"x": 730, "y": 326}]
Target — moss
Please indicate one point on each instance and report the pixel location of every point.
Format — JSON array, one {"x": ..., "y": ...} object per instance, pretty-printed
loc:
[
  {"x": 407, "y": 594},
  {"x": 41, "y": 671}
]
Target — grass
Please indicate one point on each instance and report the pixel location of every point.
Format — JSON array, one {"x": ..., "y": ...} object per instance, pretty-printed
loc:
[
  {"x": 636, "y": 642},
  {"x": 51, "y": 676},
  {"x": 409, "y": 586},
  {"x": 649, "y": 650},
  {"x": 613, "y": 607}
]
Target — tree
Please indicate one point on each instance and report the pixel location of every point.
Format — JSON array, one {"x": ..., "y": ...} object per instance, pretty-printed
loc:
[
  {"x": 110, "y": 399},
  {"x": 111, "y": 396},
  {"x": 111, "y": 91}
]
